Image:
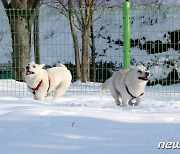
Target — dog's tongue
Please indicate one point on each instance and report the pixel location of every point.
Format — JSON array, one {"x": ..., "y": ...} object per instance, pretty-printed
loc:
[
  {"x": 28, "y": 73},
  {"x": 143, "y": 78}
]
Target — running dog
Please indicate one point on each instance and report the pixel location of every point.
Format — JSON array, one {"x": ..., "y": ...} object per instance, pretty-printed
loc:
[
  {"x": 41, "y": 82},
  {"x": 128, "y": 85}
]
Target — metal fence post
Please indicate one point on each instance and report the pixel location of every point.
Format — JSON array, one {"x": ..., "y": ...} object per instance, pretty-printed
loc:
[{"x": 126, "y": 34}]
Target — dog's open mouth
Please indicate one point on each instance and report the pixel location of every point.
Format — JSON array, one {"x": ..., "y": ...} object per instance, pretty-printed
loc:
[
  {"x": 29, "y": 72},
  {"x": 143, "y": 78}
]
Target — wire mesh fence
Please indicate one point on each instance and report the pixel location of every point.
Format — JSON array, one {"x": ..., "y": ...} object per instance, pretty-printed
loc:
[{"x": 46, "y": 36}]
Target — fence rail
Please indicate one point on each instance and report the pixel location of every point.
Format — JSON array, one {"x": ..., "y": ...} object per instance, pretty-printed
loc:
[{"x": 46, "y": 37}]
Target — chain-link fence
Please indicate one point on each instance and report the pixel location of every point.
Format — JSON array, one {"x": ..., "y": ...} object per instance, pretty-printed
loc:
[{"x": 54, "y": 36}]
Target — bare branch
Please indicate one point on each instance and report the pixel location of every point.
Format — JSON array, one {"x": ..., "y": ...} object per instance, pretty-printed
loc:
[
  {"x": 71, "y": 14},
  {"x": 80, "y": 3},
  {"x": 33, "y": 3},
  {"x": 88, "y": 3},
  {"x": 63, "y": 5},
  {"x": 78, "y": 19},
  {"x": 104, "y": 12},
  {"x": 24, "y": 3},
  {"x": 5, "y": 4},
  {"x": 81, "y": 12},
  {"x": 30, "y": 3},
  {"x": 16, "y": 4},
  {"x": 61, "y": 11}
]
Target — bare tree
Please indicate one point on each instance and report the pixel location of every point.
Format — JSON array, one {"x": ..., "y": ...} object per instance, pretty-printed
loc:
[
  {"x": 75, "y": 39},
  {"x": 36, "y": 37},
  {"x": 82, "y": 12},
  {"x": 93, "y": 51},
  {"x": 20, "y": 14},
  {"x": 86, "y": 15}
]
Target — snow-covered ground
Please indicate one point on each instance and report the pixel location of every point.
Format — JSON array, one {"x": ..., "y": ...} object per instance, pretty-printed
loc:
[{"x": 87, "y": 123}]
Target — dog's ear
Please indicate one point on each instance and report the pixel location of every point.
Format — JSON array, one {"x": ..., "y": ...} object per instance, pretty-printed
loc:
[
  {"x": 140, "y": 64},
  {"x": 41, "y": 65}
]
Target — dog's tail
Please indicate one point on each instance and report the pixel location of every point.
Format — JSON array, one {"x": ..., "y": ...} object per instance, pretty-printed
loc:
[
  {"x": 105, "y": 85},
  {"x": 61, "y": 65}
]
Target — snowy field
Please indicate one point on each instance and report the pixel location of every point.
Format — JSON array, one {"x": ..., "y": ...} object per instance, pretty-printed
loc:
[
  {"x": 87, "y": 123},
  {"x": 90, "y": 122}
]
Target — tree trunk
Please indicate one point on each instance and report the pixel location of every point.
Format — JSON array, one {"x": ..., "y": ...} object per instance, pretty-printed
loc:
[
  {"x": 75, "y": 40},
  {"x": 20, "y": 20},
  {"x": 36, "y": 37},
  {"x": 93, "y": 56},
  {"x": 20, "y": 45},
  {"x": 85, "y": 54}
]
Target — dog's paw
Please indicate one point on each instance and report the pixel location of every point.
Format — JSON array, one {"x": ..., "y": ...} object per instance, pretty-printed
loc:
[
  {"x": 118, "y": 103},
  {"x": 131, "y": 103}
]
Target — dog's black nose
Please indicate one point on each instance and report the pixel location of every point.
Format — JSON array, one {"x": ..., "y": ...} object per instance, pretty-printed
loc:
[
  {"x": 147, "y": 73},
  {"x": 27, "y": 67}
]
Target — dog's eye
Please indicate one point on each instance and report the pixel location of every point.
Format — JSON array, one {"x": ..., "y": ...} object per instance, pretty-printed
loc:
[
  {"x": 34, "y": 66},
  {"x": 139, "y": 71}
]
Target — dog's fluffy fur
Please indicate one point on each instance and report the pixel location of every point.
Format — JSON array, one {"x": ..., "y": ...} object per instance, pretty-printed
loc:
[
  {"x": 41, "y": 82},
  {"x": 127, "y": 86}
]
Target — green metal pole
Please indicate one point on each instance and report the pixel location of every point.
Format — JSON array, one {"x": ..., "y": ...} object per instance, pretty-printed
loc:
[{"x": 126, "y": 34}]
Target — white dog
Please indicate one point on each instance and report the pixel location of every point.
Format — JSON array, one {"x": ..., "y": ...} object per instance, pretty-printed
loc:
[
  {"x": 128, "y": 85},
  {"x": 41, "y": 82}
]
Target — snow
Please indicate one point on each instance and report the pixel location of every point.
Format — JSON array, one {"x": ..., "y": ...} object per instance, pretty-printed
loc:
[
  {"x": 87, "y": 123},
  {"x": 84, "y": 120}
]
